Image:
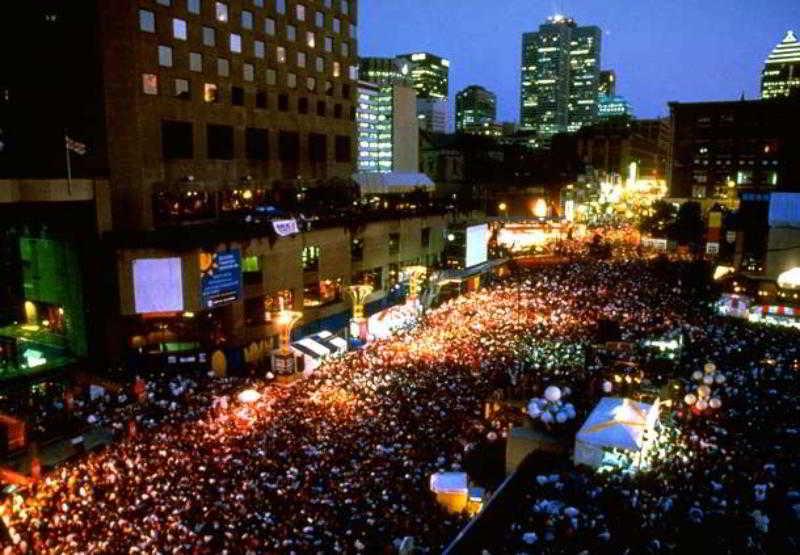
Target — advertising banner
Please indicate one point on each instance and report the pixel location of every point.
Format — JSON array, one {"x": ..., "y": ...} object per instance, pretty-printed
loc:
[{"x": 220, "y": 278}]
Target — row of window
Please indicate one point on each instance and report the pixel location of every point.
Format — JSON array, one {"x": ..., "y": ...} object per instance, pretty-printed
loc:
[
  {"x": 166, "y": 58},
  {"x": 212, "y": 94},
  {"x": 177, "y": 143},
  {"x": 222, "y": 11},
  {"x": 180, "y": 31}
]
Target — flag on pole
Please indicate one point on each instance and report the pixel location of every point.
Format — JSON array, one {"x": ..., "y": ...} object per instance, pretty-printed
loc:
[{"x": 75, "y": 146}]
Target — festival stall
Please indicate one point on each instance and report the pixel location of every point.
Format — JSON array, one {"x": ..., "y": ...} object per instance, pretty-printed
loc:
[
  {"x": 316, "y": 348},
  {"x": 616, "y": 430},
  {"x": 777, "y": 315}
]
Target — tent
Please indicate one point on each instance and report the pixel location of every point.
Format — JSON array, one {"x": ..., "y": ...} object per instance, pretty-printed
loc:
[
  {"x": 615, "y": 424},
  {"x": 316, "y": 348}
]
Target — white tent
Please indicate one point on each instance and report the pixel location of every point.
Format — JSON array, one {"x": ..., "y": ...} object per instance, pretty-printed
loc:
[
  {"x": 615, "y": 424},
  {"x": 315, "y": 348}
]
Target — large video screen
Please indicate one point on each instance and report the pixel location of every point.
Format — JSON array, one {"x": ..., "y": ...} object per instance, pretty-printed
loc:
[
  {"x": 157, "y": 285},
  {"x": 784, "y": 210},
  {"x": 477, "y": 245},
  {"x": 220, "y": 278}
]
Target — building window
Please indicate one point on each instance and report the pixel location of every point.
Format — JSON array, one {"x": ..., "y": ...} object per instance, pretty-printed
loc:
[
  {"x": 345, "y": 49},
  {"x": 320, "y": 64},
  {"x": 291, "y": 32},
  {"x": 337, "y": 69},
  {"x": 346, "y": 91},
  {"x": 325, "y": 292},
  {"x": 252, "y": 272},
  {"x": 182, "y": 90},
  {"x": 343, "y": 146},
  {"x": 289, "y": 150},
  {"x": 300, "y": 12},
  {"x": 310, "y": 258},
  {"x": 302, "y": 105},
  {"x": 165, "y": 56},
  {"x": 317, "y": 147},
  {"x": 150, "y": 83},
  {"x": 237, "y": 96},
  {"x": 301, "y": 59},
  {"x": 425, "y": 238},
  {"x": 345, "y": 7},
  {"x": 261, "y": 100},
  {"x": 177, "y": 142},
  {"x": 311, "y": 84},
  {"x": 328, "y": 44},
  {"x": 271, "y": 77},
  {"x": 256, "y": 143},
  {"x": 280, "y": 6},
  {"x": 249, "y": 72},
  {"x": 283, "y": 102},
  {"x": 247, "y": 20},
  {"x": 193, "y": 6},
  {"x": 291, "y": 80},
  {"x": 147, "y": 21},
  {"x": 337, "y": 25},
  {"x": 328, "y": 88},
  {"x": 211, "y": 93},
  {"x": 164, "y": 2},
  {"x": 322, "y": 108},
  {"x": 179, "y": 29},
  {"x": 311, "y": 39},
  {"x": 394, "y": 243},
  {"x": 269, "y": 26},
  {"x": 319, "y": 19},
  {"x": 236, "y": 43},
  {"x": 220, "y": 142},
  {"x": 258, "y": 3},
  {"x": 337, "y": 111},
  {"x": 328, "y": 3},
  {"x": 258, "y": 49},
  {"x": 372, "y": 277},
  {"x": 195, "y": 61},
  {"x": 221, "y": 11},
  {"x": 280, "y": 54},
  {"x": 352, "y": 31},
  {"x": 223, "y": 67},
  {"x": 209, "y": 36}
]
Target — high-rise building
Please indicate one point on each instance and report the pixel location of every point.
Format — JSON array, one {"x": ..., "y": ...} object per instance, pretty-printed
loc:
[
  {"x": 613, "y": 107},
  {"x": 781, "y": 74},
  {"x": 173, "y": 98},
  {"x": 720, "y": 149},
  {"x": 560, "y": 76},
  {"x": 608, "y": 82},
  {"x": 388, "y": 133},
  {"x": 430, "y": 75},
  {"x": 476, "y": 111},
  {"x": 384, "y": 71}
]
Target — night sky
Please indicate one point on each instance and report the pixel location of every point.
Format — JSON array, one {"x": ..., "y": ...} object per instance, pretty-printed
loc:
[{"x": 662, "y": 50}]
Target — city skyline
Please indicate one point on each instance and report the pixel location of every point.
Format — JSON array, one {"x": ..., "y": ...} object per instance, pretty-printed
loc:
[{"x": 484, "y": 44}]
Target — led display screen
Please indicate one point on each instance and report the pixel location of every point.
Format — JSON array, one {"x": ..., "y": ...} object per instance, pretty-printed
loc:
[
  {"x": 477, "y": 245},
  {"x": 157, "y": 285}
]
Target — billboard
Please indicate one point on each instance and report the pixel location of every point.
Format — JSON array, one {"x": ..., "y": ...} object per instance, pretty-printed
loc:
[
  {"x": 157, "y": 285},
  {"x": 220, "y": 278},
  {"x": 477, "y": 245}
]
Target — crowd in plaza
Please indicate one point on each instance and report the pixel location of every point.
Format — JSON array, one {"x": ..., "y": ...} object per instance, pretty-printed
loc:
[{"x": 340, "y": 462}]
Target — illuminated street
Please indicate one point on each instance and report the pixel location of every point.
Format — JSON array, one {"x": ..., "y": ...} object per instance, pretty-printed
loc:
[{"x": 341, "y": 462}]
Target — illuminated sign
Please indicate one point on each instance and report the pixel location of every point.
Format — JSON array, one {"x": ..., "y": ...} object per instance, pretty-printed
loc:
[
  {"x": 220, "y": 278},
  {"x": 157, "y": 285},
  {"x": 477, "y": 245},
  {"x": 285, "y": 228}
]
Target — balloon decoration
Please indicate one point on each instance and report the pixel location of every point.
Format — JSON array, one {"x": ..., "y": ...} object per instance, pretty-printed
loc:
[
  {"x": 704, "y": 396},
  {"x": 552, "y": 408}
]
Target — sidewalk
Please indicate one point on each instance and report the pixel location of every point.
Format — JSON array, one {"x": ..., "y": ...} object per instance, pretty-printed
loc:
[{"x": 57, "y": 452}]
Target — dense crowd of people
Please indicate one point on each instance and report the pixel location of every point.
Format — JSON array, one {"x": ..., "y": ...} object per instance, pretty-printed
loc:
[{"x": 340, "y": 461}]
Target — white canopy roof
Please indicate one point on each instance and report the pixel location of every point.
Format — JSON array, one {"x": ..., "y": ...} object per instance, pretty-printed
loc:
[
  {"x": 619, "y": 423},
  {"x": 449, "y": 482},
  {"x": 392, "y": 182}
]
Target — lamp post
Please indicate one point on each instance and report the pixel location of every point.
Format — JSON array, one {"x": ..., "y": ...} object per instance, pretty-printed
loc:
[
  {"x": 358, "y": 296},
  {"x": 283, "y": 360},
  {"x": 415, "y": 276}
]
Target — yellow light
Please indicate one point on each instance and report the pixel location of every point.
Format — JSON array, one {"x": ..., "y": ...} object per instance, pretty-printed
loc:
[
  {"x": 247, "y": 195},
  {"x": 502, "y": 206},
  {"x": 540, "y": 208}
]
